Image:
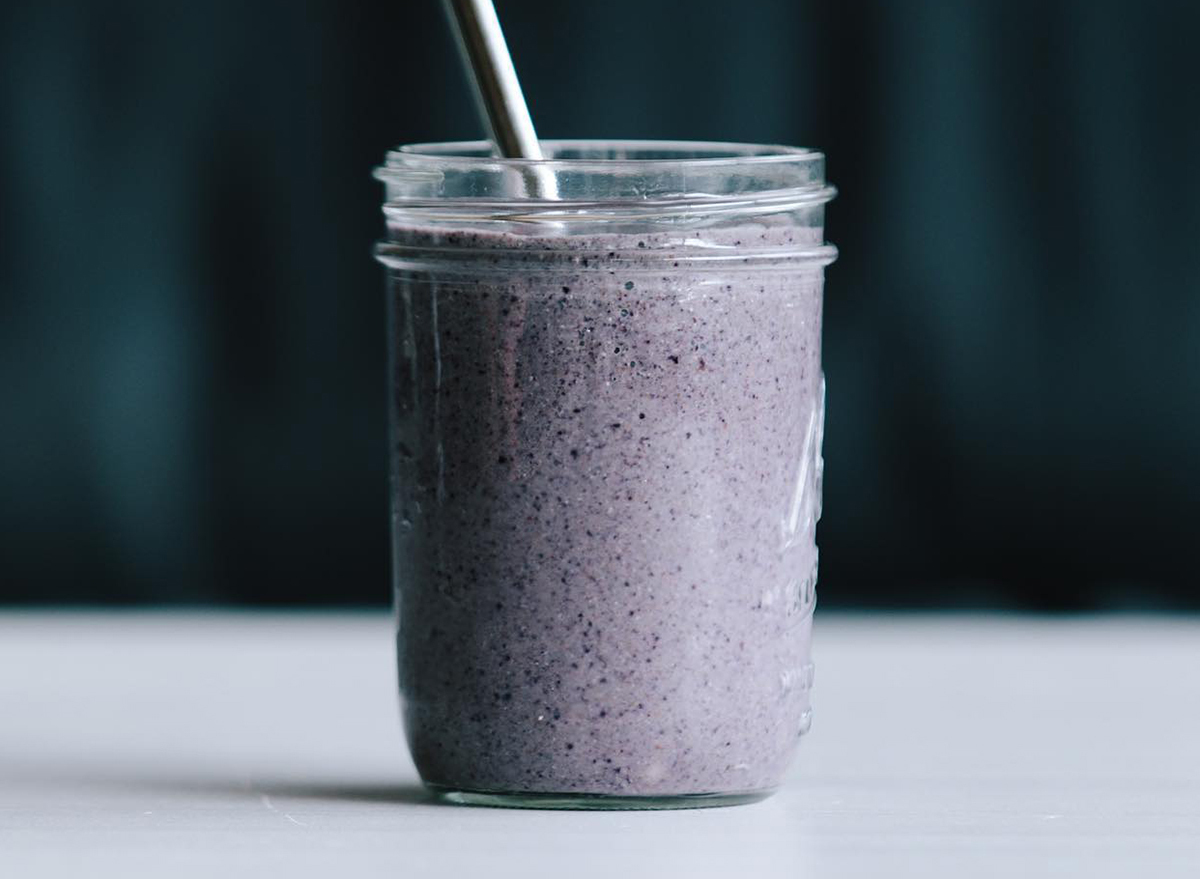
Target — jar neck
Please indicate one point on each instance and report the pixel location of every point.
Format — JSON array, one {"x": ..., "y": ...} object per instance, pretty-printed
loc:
[{"x": 615, "y": 185}]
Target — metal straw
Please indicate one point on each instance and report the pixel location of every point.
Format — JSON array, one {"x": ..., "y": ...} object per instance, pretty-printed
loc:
[{"x": 496, "y": 86}]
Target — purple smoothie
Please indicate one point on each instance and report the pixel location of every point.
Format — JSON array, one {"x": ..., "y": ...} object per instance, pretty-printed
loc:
[{"x": 606, "y": 481}]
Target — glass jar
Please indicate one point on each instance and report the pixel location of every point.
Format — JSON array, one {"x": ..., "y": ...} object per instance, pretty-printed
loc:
[{"x": 606, "y": 422}]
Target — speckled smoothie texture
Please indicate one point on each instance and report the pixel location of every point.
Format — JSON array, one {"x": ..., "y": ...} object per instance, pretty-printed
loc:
[{"x": 606, "y": 480}]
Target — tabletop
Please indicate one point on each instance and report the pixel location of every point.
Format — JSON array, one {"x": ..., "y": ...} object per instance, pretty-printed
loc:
[{"x": 226, "y": 744}]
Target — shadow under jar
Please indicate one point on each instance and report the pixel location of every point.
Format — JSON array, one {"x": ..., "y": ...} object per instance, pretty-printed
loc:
[{"x": 606, "y": 422}]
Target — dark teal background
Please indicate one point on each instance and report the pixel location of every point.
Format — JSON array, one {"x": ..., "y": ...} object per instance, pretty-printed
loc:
[{"x": 191, "y": 324}]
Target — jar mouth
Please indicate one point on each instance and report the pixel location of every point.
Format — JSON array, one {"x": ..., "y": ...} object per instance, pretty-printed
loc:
[
  {"x": 592, "y": 177},
  {"x": 608, "y": 153}
]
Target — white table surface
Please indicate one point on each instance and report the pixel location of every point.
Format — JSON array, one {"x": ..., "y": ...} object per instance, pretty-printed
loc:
[{"x": 222, "y": 745}]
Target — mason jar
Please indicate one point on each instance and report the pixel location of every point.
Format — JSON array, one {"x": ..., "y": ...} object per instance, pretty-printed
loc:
[{"x": 606, "y": 409}]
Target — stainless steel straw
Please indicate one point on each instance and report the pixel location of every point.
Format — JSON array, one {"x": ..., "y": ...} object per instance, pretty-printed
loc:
[{"x": 496, "y": 86}]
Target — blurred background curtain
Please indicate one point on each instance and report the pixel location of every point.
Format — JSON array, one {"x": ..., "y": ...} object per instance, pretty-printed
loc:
[{"x": 191, "y": 334}]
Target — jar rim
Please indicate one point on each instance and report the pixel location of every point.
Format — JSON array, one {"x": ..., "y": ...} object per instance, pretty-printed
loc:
[
  {"x": 624, "y": 155},
  {"x": 601, "y": 180}
]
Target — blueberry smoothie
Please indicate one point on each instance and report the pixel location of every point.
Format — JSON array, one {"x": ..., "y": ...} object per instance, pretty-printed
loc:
[{"x": 606, "y": 463}]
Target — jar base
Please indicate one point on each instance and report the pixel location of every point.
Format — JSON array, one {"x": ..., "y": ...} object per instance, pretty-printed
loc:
[{"x": 594, "y": 802}]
